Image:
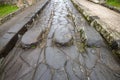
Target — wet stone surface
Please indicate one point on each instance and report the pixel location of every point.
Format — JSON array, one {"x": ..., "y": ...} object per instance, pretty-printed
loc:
[{"x": 60, "y": 23}]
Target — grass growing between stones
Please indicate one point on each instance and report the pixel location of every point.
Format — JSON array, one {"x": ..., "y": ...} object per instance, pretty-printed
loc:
[
  {"x": 6, "y": 9},
  {"x": 115, "y": 3}
]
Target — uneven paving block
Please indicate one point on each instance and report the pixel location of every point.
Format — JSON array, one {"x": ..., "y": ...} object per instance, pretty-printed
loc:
[
  {"x": 88, "y": 59},
  {"x": 25, "y": 72},
  {"x": 73, "y": 71},
  {"x": 12, "y": 73},
  {"x": 102, "y": 72},
  {"x": 42, "y": 73},
  {"x": 32, "y": 57},
  {"x": 60, "y": 75},
  {"x": 55, "y": 58},
  {"x": 28, "y": 76},
  {"x": 71, "y": 52}
]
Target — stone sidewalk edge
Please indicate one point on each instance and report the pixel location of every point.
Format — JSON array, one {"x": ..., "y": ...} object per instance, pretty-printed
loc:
[
  {"x": 9, "y": 16},
  {"x": 6, "y": 44},
  {"x": 99, "y": 25}
]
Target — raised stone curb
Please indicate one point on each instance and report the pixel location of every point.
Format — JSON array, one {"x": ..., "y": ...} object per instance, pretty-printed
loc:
[
  {"x": 99, "y": 25},
  {"x": 9, "y": 16},
  {"x": 8, "y": 40}
]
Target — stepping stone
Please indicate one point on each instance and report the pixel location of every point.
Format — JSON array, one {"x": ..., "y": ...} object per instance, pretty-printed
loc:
[
  {"x": 32, "y": 37},
  {"x": 62, "y": 36}
]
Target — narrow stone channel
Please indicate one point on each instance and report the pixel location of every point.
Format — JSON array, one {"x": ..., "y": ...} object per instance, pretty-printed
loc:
[{"x": 60, "y": 46}]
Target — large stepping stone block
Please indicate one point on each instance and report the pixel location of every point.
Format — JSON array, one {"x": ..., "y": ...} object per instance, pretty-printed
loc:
[
  {"x": 31, "y": 38},
  {"x": 62, "y": 36}
]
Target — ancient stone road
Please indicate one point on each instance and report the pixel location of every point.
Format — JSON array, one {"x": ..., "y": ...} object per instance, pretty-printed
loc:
[{"x": 60, "y": 46}]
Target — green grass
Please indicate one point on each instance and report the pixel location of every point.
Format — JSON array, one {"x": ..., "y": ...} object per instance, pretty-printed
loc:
[
  {"x": 115, "y": 3},
  {"x": 6, "y": 9}
]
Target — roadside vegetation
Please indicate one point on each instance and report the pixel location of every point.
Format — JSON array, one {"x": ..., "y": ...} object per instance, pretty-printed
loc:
[
  {"x": 115, "y": 3},
  {"x": 6, "y": 9}
]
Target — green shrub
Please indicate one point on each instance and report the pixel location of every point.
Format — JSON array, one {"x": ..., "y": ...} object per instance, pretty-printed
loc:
[
  {"x": 6, "y": 9},
  {"x": 115, "y": 3}
]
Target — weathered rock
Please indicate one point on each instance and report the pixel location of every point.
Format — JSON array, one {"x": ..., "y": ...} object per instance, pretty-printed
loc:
[
  {"x": 62, "y": 36},
  {"x": 28, "y": 76},
  {"x": 55, "y": 58}
]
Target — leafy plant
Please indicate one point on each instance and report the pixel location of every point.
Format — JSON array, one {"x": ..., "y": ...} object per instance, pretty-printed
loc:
[{"x": 6, "y": 9}]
